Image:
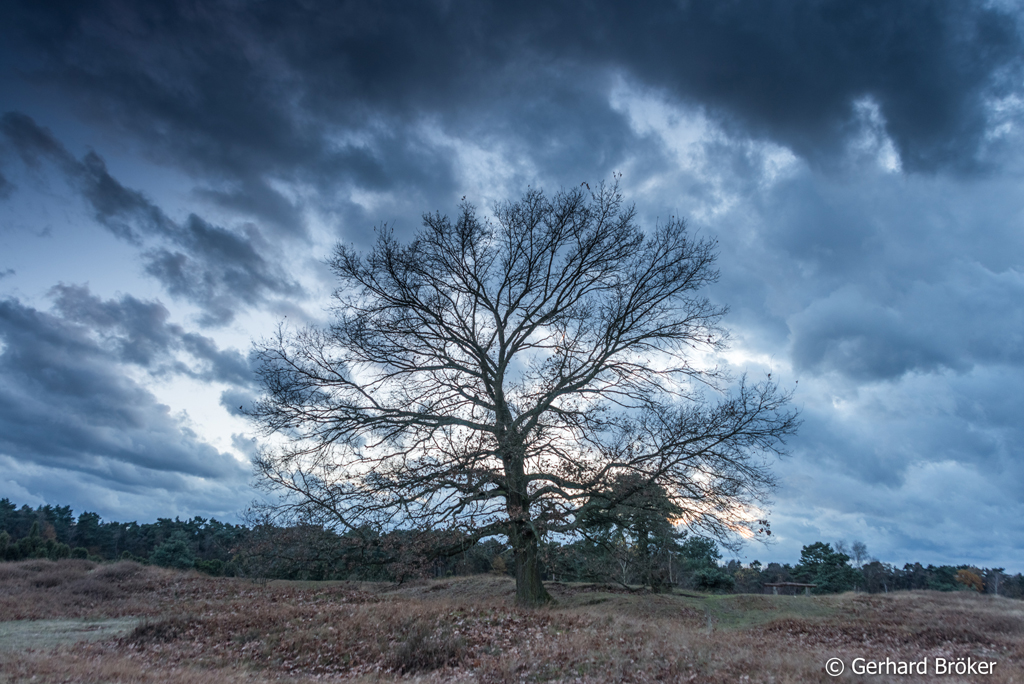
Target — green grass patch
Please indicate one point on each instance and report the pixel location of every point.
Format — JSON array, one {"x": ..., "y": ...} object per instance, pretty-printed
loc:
[{"x": 743, "y": 611}]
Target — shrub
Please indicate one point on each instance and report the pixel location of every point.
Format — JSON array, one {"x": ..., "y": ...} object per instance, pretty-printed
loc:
[
  {"x": 79, "y": 565},
  {"x": 93, "y": 587},
  {"x": 118, "y": 572},
  {"x": 712, "y": 579},
  {"x": 49, "y": 579},
  {"x": 213, "y": 567},
  {"x": 160, "y": 631},
  {"x": 426, "y": 649}
]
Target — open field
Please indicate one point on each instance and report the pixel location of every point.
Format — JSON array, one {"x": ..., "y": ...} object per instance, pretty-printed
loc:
[{"x": 74, "y": 621}]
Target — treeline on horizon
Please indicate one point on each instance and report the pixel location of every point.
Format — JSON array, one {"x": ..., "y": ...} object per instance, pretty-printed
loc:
[{"x": 656, "y": 556}]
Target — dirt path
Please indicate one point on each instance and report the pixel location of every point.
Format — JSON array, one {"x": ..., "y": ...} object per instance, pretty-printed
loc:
[{"x": 20, "y": 635}]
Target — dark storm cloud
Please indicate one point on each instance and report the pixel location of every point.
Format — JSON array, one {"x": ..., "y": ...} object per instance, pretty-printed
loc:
[
  {"x": 6, "y": 187},
  {"x": 112, "y": 202},
  {"x": 921, "y": 463},
  {"x": 791, "y": 70},
  {"x": 258, "y": 91},
  {"x": 216, "y": 268},
  {"x": 66, "y": 402}
]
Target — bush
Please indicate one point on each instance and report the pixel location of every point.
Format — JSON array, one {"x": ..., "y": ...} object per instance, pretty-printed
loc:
[
  {"x": 712, "y": 579},
  {"x": 94, "y": 588},
  {"x": 160, "y": 631},
  {"x": 427, "y": 649},
  {"x": 80, "y": 552},
  {"x": 213, "y": 567},
  {"x": 48, "y": 580},
  {"x": 118, "y": 572}
]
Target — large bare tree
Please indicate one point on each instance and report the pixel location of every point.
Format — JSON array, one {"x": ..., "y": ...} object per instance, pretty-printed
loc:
[{"x": 497, "y": 377}]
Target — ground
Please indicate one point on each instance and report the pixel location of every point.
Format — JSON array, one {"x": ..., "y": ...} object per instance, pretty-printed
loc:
[{"x": 75, "y": 621}]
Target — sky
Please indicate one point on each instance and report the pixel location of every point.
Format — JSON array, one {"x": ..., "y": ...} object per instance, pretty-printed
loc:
[{"x": 173, "y": 174}]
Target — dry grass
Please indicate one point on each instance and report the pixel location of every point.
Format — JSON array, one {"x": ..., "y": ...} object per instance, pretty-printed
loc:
[{"x": 192, "y": 628}]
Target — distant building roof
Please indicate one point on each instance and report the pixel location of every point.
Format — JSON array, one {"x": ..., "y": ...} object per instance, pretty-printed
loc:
[{"x": 789, "y": 584}]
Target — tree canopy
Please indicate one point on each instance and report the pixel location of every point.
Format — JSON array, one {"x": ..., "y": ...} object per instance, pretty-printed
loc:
[{"x": 516, "y": 376}]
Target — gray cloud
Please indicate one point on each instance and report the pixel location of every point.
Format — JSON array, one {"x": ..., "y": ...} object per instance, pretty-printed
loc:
[
  {"x": 146, "y": 497},
  {"x": 139, "y": 332},
  {"x": 973, "y": 318},
  {"x": 928, "y": 517},
  {"x": 66, "y": 403},
  {"x": 216, "y": 268},
  {"x": 237, "y": 402},
  {"x": 894, "y": 298}
]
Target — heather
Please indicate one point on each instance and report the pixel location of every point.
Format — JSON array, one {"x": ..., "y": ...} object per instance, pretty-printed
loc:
[{"x": 189, "y": 627}]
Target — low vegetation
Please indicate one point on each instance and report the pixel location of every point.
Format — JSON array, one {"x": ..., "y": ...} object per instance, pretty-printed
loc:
[{"x": 165, "y": 625}]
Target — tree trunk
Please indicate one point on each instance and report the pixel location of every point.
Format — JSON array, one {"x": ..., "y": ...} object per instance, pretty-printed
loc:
[{"x": 530, "y": 591}]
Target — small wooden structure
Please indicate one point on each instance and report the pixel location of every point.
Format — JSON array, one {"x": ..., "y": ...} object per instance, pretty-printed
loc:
[{"x": 789, "y": 588}]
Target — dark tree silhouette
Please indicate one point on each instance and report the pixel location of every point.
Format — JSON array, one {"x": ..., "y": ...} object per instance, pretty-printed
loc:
[
  {"x": 643, "y": 515},
  {"x": 497, "y": 377}
]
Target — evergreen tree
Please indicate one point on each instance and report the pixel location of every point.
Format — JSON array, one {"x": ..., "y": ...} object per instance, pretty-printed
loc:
[
  {"x": 632, "y": 519},
  {"x": 820, "y": 564},
  {"x": 176, "y": 552}
]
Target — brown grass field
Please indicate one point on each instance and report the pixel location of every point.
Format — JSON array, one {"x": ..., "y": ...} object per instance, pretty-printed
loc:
[{"x": 75, "y": 621}]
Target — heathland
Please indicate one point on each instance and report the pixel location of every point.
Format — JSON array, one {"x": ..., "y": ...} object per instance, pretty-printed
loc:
[{"x": 76, "y": 620}]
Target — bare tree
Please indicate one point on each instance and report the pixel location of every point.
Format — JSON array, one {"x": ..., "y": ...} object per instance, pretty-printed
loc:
[
  {"x": 859, "y": 554},
  {"x": 497, "y": 377}
]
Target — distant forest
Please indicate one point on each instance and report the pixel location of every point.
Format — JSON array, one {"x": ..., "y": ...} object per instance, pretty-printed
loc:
[{"x": 645, "y": 553}]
